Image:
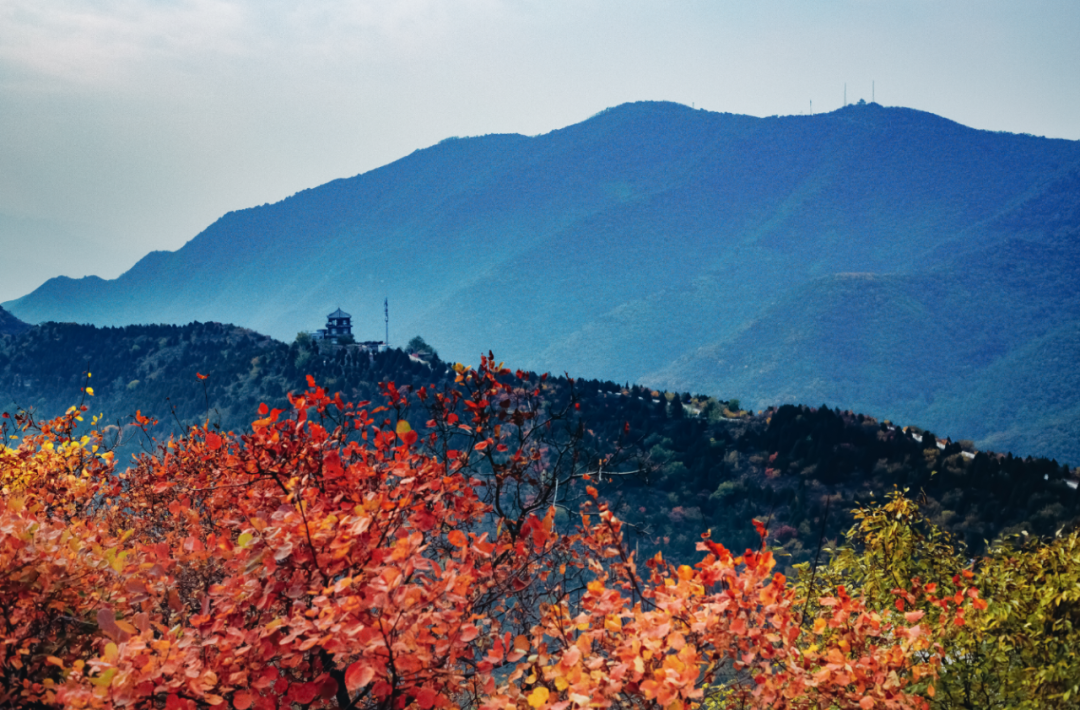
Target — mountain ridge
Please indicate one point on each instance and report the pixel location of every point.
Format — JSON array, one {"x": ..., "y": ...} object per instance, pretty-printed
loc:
[{"x": 621, "y": 246}]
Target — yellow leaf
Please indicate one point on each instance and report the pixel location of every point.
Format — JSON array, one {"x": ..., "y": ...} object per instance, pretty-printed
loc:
[
  {"x": 105, "y": 679},
  {"x": 538, "y": 697},
  {"x": 117, "y": 563},
  {"x": 90, "y": 391}
]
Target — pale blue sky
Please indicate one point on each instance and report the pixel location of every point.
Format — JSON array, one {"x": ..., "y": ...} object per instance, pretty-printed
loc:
[{"x": 131, "y": 125}]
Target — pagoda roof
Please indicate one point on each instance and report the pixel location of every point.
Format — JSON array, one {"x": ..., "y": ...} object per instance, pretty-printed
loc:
[{"x": 339, "y": 314}]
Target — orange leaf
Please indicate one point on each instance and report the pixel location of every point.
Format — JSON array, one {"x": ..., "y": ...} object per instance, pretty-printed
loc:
[{"x": 457, "y": 538}]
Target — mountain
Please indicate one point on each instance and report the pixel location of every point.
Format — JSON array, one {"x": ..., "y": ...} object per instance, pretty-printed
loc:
[
  {"x": 10, "y": 325},
  {"x": 876, "y": 258},
  {"x": 700, "y": 466}
]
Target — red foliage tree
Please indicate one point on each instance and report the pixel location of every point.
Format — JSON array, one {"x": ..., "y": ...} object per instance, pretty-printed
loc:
[{"x": 334, "y": 557}]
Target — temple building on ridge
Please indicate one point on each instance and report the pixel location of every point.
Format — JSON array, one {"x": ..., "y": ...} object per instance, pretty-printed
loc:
[
  {"x": 338, "y": 325},
  {"x": 338, "y": 331}
]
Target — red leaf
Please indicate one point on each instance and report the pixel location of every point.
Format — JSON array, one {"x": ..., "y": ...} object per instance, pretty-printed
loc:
[
  {"x": 173, "y": 702},
  {"x": 426, "y": 698},
  {"x": 304, "y": 693},
  {"x": 213, "y": 441},
  {"x": 760, "y": 527},
  {"x": 107, "y": 623},
  {"x": 358, "y": 675},
  {"x": 457, "y": 538}
]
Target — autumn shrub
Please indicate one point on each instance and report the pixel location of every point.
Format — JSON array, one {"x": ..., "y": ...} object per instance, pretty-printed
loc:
[
  {"x": 347, "y": 556},
  {"x": 1019, "y": 644}
]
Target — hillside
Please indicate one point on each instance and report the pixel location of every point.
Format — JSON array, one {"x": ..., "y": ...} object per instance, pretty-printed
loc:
[
  {"x": 700, "y": 466},
  {"x": 936, "y": 347},
  {"x": 10, "y": 325},
  {"x": 883, "y": 259}
]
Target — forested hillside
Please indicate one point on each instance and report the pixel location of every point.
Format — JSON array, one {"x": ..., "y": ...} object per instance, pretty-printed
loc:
[
  {"x": 699, "y": 465},
  {"x": 10, "y": 325}
]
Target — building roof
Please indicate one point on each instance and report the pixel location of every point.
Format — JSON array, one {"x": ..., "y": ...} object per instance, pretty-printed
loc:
[{"x": 339, "y": 314}]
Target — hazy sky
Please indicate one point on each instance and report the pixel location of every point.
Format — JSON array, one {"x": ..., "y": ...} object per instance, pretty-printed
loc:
[{"x": 131, "y": 125}]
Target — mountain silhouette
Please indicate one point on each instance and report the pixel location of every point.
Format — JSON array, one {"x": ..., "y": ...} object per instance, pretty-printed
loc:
[{"x": 882, "y": 259}]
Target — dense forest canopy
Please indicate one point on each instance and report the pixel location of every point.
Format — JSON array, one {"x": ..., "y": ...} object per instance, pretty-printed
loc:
[
  {"x": 10, "y": 325},
  {"x": 698, "y": 463}
]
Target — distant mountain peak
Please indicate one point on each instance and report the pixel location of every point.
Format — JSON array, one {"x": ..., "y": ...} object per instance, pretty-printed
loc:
[{"x": 653, "y": 242}]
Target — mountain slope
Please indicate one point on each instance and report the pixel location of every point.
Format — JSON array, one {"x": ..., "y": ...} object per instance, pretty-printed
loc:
[
  {"x": 698, "y": 468},
  {"x": 10, "y": 325},
  {"x": 621, "y": 246}
]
